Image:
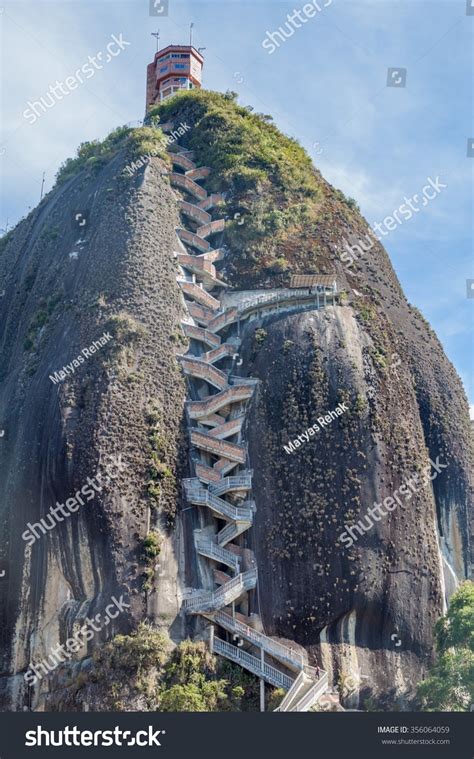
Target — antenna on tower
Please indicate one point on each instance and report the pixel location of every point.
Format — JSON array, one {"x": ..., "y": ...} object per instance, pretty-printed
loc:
[
  {"x": 191, "y": 33},
  {"x": 157, "y": 35}
]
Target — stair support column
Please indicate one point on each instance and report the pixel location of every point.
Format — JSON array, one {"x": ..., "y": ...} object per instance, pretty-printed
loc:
[{"x": 262, "y": 682}]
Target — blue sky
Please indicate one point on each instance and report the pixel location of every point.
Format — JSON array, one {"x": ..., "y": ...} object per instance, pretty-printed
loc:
[{"x": 325, "y": 85}]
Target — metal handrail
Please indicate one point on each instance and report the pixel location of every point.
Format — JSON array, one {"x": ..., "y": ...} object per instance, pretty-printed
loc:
[
  {"x": 205, "y": 498},
  {"x": 252, "y": 663},
  {"x": 243, "y": 392},
  {"x": 272, "y": 646},
  {"x": 206, "y": 371},
  {"x": 207, "y": 546},
  {"x": 313, "y": 694},
  {"x": 229, "y": 483}
]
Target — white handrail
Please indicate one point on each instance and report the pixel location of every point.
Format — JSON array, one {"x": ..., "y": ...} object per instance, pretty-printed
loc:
[
  {"x": 273, "y": 675},
  {"x": 230, "y": 483},
  {"x": 279, "y": 650},
  {"x": 208, "y": 547},
  {"x": 310, "y": 698}
]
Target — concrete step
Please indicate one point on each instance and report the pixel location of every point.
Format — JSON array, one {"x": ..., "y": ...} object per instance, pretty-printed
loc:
[
  {"x": 224, "y": 466},
  {"x": 201, "y": 172},
  {"x": 207, "y": 372},
  {"x": 241, "y": 481},
  {"x": 212, "y": 404},
  {"x": 222, "y": 351},
  {"x": 200, "y": 314},
  {"x": 229, "y": 316},
  {"x": 231, "y": 451},
  {"x": 211, "y": 228},
  {"x": 232, "y": 427},
  {"x": 212, "y": 200},
  {"x": 207, "y": 474},
  {"x": 199, "y": 496},
  {"x": 193, "y": 240},
  {"x": 232, "y": 531},
  {"x": 203, "y": 335},
  {"x": 252, "y": 663},
  {"x": 182, "y": 160},
  {"x": 207, "y": 547},
  {"x": 194, "y": 212},
  {"x": 288, "y": 656},
  {"x": 199, "y": 295},
  {"x": 185, "y": 183}
]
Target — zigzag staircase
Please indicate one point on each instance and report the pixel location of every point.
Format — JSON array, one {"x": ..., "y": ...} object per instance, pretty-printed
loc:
[{"x": 222, "y": 484}]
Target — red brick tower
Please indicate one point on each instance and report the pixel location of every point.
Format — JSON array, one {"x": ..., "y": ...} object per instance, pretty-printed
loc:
[{"x": 176, "y": 67}]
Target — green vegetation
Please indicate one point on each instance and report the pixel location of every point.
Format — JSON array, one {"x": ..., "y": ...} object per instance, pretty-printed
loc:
[
  {"x": 190, "y": 681},
  {"x": 159, "y": 470},
  {"x": 142, "y": 668},
  {"x": 45, "y": 310},
  {"x": 151, "y": 548},
  {"x": 243, "y": 148},
  {"x": 121, "y": 351},
  {"x": 161, "y": 486},
  {"x": 359, "y": 405},
  {"x": 5, "y": 239},
  {"x": 366, "y": 312},
  {"x": 125, "y": 329},
  {"x": 450, "y": 684},
  {"x": 350, "y": 202},
  {"x": 94, "y": 155},
  {"x": 49, "y": 233},
  {"x": 379, "y": 358},
  {"x": 259, "y": 336},
  {"x": 269, "y": 178}
]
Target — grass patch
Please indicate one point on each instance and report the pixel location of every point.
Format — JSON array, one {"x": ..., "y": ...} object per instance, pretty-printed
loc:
[
  {"x": 94, "y": 155},
  {"x": 268, "y": 178}
]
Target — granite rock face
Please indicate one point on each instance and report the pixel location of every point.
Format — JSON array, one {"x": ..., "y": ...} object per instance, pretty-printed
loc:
[
  {"x": 64, "y": 288},
  {"x": 365, "y": 609}
]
